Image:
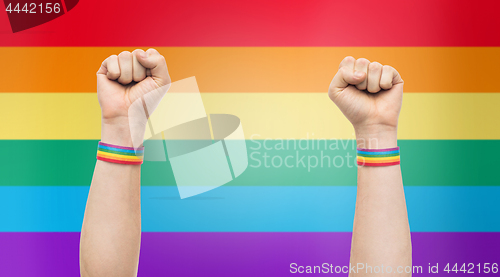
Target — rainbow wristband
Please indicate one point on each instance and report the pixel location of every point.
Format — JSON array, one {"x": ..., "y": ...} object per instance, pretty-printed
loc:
[
  {"x": 119, "y": 154},
  {"x": 378, "y": 157}
]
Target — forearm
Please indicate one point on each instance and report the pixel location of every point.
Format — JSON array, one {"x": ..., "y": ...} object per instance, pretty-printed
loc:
[
  {"x": 381, "y": 234},
  {"x": 111, "y": 231}
]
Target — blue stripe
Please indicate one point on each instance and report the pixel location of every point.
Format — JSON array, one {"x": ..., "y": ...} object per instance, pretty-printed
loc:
[
  {"x": 252, "y": 209},
  {"x": 120, "y": 150},
  {"x": 377, "y": 153}
]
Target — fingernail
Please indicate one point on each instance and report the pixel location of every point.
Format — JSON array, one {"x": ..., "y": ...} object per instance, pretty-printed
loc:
[{"x": 358, "y": 74}]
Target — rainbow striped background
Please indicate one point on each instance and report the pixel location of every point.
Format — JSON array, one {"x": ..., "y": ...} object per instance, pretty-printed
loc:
[{"x": 269, "y": 63}]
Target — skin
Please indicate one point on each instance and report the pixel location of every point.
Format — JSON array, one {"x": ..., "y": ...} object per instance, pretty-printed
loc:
[
  {"x": 370, "y": 96},
  {"x": 111, "y": 230}
]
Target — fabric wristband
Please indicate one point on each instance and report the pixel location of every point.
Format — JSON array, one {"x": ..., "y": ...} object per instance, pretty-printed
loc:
[
  {"x": 119, "y": 154},
  {"x": 378, "y": 157}
]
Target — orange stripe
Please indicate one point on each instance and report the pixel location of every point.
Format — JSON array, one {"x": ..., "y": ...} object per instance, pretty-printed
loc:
[{"x": 256, "y": 69}]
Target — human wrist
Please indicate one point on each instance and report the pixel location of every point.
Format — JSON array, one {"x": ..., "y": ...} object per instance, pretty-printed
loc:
[
  {"x": 118, "y": 133},
  {"x": 376, "y": 137}
]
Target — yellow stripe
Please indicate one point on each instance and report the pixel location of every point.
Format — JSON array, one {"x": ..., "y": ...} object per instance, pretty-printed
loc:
[
  {"x": 263, "y": 115},
  {"x": 377, "y": 162},
  {"x": 116, "y": 156},
  {"x": 118, "y": 159},
  {"x": 379, "y": 159}
]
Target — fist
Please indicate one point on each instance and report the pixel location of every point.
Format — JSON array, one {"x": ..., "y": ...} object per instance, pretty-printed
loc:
[
  {"x": 125, "y": 83},
  {"x": 368, "y": 94},
  {"x": 123, "y": 79}
]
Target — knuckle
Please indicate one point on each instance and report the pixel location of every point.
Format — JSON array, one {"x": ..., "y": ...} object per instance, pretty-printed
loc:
[
  {"x": 137, "y": 52},
  {"x": 363, "y": 61},
  {"x": 348, "y": 59},
  {"x": 152, "y": 51},
  {"x": 125, "y": 54},
  {"x": 375, "y": 66},
  {"x": 343, "y": 70},
  {"x": 388, "y": 67},
  {"x": 157, "y": 59}
]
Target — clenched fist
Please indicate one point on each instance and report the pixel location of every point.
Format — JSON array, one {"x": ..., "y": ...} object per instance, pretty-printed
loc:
[
  {"x": 123, "y": 83},
  {"x": 369, "y": 95}
]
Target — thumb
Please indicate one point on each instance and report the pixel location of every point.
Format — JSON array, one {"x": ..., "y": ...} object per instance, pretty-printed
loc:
[{"x": 155, "y": 62}]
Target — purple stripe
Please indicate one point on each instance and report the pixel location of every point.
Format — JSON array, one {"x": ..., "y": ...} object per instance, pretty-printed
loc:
[
  {"x": 232, "y": 254},
  {"x": 120, "y": 147},
  {"x": 378, "y": 150}
]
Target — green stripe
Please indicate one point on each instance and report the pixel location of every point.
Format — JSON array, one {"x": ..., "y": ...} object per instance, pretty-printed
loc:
[
  {"x": 71, "y": 163},
  {"x": 378, "y": 156},
  {"x": 121, "y": 153}
]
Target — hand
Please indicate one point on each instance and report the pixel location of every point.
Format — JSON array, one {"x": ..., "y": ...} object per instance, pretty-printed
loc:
[
  {"x": 123, "y": 83},
  {"x": 369, "y": 95}
]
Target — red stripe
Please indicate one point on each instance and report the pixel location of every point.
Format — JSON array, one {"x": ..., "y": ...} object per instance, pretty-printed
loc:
[
  {"x": 118, "y": 161},
  {"x": 378, "y": 164},
  {"x": 266, "y": 23}
]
